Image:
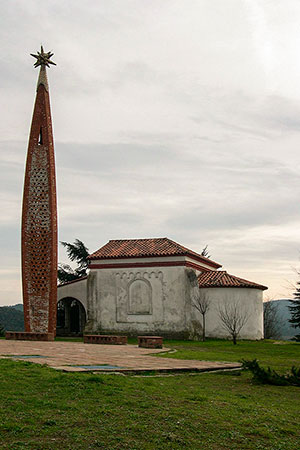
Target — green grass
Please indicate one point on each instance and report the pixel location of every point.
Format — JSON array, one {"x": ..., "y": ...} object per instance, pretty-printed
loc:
[
  {"x": 280, "y": 355},
  {"x": 44, "y": 409}
]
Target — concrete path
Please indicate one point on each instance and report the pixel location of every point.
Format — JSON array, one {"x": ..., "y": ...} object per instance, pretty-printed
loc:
[{"x": 71, "y": 356}]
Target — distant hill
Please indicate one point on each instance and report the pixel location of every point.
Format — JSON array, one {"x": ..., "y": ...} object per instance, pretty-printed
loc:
[
  {"x": 12, "y": 317},
  {"x": 287, "y": 331},
  {"x": 18, "y": 306}
]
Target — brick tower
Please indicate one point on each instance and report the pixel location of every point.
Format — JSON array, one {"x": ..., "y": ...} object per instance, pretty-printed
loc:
[{"x": 39, "y": 215}]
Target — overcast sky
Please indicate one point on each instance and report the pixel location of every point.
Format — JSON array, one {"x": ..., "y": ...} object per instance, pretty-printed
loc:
[{"x": 177, "y": 118}]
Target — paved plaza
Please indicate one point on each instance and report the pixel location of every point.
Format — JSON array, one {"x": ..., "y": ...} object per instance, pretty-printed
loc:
[{"x": 79, "y": 357}]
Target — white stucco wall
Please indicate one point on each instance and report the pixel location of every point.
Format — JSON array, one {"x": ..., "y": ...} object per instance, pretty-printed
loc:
[
  {"x": 139, "y": 300},
  {"x": 77, "y": 289},
  {"x": 157, "y": 300},
  {"x": 249, "y": 301}
]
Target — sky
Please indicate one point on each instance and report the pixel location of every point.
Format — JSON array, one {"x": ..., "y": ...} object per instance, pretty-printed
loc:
[{"x": 171, "y": 118}]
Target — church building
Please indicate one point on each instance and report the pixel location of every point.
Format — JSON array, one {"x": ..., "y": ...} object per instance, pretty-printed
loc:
[
  {"x": 133, "y": 286},
  {"x": 151, "y": 286}
]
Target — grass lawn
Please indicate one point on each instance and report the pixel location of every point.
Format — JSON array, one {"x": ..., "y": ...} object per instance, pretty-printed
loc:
[
  {"x": 279, "y": 355},
  {"x": 45, "y": 409}
]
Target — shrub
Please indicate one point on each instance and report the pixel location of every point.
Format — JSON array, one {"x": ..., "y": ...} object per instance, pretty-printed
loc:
[{"x": 270, "y": 376}]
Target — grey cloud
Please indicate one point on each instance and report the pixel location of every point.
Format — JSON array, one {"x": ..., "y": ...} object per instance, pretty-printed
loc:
[
  {"x": 173, "y": 135},
  {"x": 133, "y": 72},
  {"x": 233, "y": 216},
  {"x": 104, "y": 157},
  {"x": 264, "y": 117},
  {"x": 232, "y": 193},
  {"x": 279, "y": 113}
]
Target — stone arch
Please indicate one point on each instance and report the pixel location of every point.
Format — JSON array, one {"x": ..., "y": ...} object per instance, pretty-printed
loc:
[
  {"x": 71, "y": 317},
  {"x": 139, "y": 297}
]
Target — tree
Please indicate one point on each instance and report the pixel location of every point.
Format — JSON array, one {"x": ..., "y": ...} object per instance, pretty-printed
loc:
[
  {"x": 201, "y": 302},
  {"x": 199, "y": 298},
  {"x": 76, "y": 252},
  {"x": 205, "y": 252},
  {"x": 2, "y": 330},
  {"x": 233, "y": 318},
  {"x": 295, "y": 310},
  {"x": 272, "y": 321}
]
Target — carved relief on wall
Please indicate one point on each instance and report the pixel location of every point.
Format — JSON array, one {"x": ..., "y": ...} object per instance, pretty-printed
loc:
[{"x": 139, "y": 296}]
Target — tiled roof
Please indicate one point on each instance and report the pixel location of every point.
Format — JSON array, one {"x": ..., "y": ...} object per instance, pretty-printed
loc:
[
  {"x": 137, "y": 248},
  {"x": 220, "y": 278}
]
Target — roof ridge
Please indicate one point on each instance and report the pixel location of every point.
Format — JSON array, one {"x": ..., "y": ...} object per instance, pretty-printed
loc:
[
  {"x": 137, "y": 239},
  {"x": 118, "y": 248},
  {"x": 192, "y": 251},
  {"x": 221, "y": 278},
  {"x": 179, "y": 246},
  {"x": 241, "y": 279}
]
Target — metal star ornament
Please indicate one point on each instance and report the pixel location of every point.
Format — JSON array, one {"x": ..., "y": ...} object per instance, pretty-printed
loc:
[{"x": 42, "y": 58}]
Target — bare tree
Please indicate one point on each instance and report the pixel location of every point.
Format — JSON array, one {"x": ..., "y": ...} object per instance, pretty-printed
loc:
[
  {"x": 272, "y": 321},
  {"x": 201, "y": 302},
  {"x": 233, "y": 318}
]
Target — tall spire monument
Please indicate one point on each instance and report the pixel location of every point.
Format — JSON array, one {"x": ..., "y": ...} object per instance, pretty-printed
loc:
[{"x": 39, "y": 215}]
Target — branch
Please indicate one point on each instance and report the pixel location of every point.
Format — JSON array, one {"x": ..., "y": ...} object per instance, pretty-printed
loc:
[{"x": 233, "y": 318}]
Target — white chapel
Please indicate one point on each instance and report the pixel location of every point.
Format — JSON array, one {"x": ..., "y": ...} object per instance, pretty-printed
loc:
[{"x": 150, "y": 286}]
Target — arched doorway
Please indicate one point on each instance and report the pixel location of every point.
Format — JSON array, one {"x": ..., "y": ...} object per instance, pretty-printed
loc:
[{"x": 71, "y": 317}]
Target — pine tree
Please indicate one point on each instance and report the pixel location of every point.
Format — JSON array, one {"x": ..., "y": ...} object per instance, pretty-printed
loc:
[
  {"x": 205, "y": 252},
  {"x": 294, "y": 308},
  {"x": 76, "y": 252}
]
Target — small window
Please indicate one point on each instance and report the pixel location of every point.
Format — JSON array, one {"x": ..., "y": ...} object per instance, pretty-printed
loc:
[{"x": 40, "y": 142}]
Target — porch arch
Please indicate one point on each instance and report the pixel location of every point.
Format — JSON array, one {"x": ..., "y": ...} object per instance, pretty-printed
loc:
[{"x": 71, "y": 317}]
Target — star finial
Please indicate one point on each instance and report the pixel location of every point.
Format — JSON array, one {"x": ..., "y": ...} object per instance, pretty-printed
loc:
[{"x": 42, "y": 58}]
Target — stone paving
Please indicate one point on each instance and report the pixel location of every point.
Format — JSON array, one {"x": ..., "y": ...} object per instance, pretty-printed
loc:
[{"x": 68, "y": 356}]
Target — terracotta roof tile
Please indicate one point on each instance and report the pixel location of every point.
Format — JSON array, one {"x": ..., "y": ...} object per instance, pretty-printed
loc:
[
  {"x": 137, "y": 248},
  {"x": 220, "y": 278}
]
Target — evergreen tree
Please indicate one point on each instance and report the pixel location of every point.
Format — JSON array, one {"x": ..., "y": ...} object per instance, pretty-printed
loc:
[
  {"x": 294, "y": 308},
  {"x": 205, "y": 252},
  {"x": 76, "y": 252}
]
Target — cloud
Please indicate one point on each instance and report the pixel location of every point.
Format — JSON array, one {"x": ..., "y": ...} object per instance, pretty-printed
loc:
[{"x": 168, "y": 121}]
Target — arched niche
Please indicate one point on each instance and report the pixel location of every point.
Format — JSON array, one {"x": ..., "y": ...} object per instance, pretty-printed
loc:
[{"x": 139, "y": 297}]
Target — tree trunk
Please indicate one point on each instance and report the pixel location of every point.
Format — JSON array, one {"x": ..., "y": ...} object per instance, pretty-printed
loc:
[
  {"x": 234, "y": 339},
  {"x": 203, "y": 327}
]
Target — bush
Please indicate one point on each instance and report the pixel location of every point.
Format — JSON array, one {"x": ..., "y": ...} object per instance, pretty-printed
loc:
[{"x": 270, "y": 376}]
